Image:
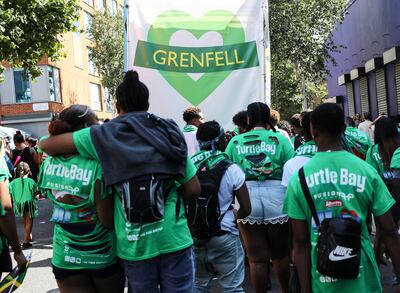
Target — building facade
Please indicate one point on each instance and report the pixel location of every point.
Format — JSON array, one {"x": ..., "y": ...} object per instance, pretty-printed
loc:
[
  {"x": 366, "y": 77},
  {"x": 31, "y": 104}
]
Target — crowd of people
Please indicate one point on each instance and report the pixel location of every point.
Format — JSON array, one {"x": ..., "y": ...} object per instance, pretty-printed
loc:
[{"x": 173, "y": 210}]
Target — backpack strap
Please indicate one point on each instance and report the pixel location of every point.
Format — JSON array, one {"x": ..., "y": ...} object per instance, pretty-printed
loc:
[{"x": 307, "y": 195}]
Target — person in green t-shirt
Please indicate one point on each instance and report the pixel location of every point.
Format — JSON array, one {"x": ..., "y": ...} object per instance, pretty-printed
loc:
[
  {"x": 341, "y": 185},
  {"x": 84, "y": 243},
  {"x": 240, "y": 121},
  {"x": 8, "y": 228},
  {"x": 354, "y": 140},
  {"x": 156, "y": 256},
  {"x": 23, "y": 191},
  {"x": 261, "y": 153}
]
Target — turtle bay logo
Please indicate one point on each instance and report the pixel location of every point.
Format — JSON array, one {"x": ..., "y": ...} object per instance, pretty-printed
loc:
[
  {"x": 341, "y": 253},
  {"x": 214, "y": 63}
]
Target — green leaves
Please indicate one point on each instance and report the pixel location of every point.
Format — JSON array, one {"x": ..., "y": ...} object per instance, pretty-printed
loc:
[
  {"x": 107, "y": 33},
  {"x": 300, "y": 47},
  {"x": 30, "y": 29}
]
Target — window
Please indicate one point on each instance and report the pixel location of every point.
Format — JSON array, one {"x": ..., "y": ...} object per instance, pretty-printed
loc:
[
  {"x": 89, "y": 2},
  {"x": 22, "y": 86},
  {"x": 88, "y": 23},
  {"x": 54, "y": 84},
  {"x": 78, "y": 28},
  {"x": 101, "y": 4},
  {"x": 114, "y": 6},
  {"x": 107, "y": 99},
  {"x": 91, "y": 67},
  {"x": 95, "y": 97}
]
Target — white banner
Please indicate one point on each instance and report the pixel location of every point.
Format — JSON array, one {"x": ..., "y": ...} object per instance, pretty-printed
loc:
[{"x": 206, "y": 53}]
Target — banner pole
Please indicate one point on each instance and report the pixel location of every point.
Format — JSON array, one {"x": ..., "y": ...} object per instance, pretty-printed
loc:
[
  {"x": 126, "y": 7},
  {"x": 266, "y": 55}
]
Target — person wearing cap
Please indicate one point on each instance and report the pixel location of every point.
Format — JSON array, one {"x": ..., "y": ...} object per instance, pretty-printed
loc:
[
  {"x": 261, "y": 153},
  {"x": 223, "y": 251}
]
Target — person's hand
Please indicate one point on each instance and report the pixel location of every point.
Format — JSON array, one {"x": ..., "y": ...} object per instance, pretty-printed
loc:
[
  {"x": 379, "y": 249},
  {"x": 20, "y": 259}
]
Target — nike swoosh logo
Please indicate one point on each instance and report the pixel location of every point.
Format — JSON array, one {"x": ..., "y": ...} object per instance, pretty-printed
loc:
[{"x": 334, "y": 257}]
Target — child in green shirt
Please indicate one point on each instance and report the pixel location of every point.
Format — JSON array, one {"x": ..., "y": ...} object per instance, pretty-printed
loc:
[{"x": 23, "y": 191}]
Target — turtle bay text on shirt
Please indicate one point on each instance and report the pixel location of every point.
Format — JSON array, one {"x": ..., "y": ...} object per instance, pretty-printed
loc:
[
  {"x": 344, "y": 177},
  {"x": 72, "y": 172}
]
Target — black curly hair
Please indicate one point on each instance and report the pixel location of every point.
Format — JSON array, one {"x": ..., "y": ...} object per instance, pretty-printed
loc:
[
  {"x": 191, "y": 113},
  {"x": 207, "y": 132}
]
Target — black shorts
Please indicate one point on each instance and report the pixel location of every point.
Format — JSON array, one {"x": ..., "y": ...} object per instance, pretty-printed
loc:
[{"x": 106, "y": 272}]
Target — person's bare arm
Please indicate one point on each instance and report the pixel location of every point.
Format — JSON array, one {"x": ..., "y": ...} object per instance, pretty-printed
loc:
[
  {"x": 388, "y": 232},
  {"x": 191, "y": 188},
  {"x": 8, "y": 226},
  {"x": 242, "y": 195},
  {"x": 302, "y": 253},
  {"x": 34, "y": 156},
  {"x": 104, "y": 207},
  {"x": 62, "y": 144}
]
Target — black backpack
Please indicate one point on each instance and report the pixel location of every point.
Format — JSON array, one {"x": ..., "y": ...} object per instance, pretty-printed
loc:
[
  {"x": 203, "y": 213},
  {"x": 143, "y": 198}
]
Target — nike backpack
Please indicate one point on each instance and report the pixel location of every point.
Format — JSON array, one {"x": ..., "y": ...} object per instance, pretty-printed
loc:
[{"x": 203, "y": 213}]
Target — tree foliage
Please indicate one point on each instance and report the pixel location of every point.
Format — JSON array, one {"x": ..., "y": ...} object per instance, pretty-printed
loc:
[
  {"x": 301, "y": 44},
  {"x": 107, "y": 31},
  {"x": 30, "y": 30}
]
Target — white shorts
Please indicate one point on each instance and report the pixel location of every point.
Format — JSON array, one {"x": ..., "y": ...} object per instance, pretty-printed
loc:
[{"x": 267, "y": 198}]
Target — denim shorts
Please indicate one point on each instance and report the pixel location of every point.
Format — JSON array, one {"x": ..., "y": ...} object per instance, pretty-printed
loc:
[
  {"x": 167, "y": 273},
  {"x": 267, "y": 198}
]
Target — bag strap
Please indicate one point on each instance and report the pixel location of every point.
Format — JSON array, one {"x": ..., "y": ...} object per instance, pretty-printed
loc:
[{"x": 307, "y": 195}]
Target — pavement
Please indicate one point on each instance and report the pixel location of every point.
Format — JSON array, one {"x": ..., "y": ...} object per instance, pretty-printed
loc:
[{"x": 40, "y": 278}]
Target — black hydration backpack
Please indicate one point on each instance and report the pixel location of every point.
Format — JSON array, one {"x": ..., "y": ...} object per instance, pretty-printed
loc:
[
  {"x": 203, "y": 213},
  {"x": 143, "y": 198}
]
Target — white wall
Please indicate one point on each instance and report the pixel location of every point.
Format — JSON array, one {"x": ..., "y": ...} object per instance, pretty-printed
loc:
[{"x": 7, "y": 95}]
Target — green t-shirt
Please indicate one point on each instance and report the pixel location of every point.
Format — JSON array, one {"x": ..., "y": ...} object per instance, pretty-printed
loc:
[
  {"x": 374, "y": 159},
  {"x": 23, "y": 189},
  {"x": 135, "y": 242},
  {"x": 340, "y": 184},
  {"x": 39, "y": 150},
  {"x": 189, "y": 128},
  {"x": 4, "y": 176},
  {"x": 22, "y": 192},
  {"x": 307, "y": 149},
  {"x": 75, "y": 177},
  {"x": 395, "y": 162},
  {"x": 260, "y": 153}
]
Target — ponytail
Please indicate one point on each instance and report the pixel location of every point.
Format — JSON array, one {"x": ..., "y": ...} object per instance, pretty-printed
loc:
[{"x": 132, "y": 95}]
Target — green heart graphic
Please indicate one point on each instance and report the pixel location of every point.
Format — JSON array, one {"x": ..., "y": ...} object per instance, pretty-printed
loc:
[{"x": 223, "y": 22}]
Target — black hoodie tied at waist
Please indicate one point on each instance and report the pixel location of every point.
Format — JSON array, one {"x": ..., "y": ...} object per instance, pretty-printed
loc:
[{"x": 139, "y": 143}]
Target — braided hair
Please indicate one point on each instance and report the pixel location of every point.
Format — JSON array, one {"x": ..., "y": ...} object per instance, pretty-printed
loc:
[{"x": 132, "y": 95}]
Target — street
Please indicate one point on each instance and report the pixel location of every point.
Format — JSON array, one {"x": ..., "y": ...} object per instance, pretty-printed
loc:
[{"x": 40, "y": 278}]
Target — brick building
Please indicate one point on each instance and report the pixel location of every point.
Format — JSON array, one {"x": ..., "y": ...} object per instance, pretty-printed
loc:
[{"x": 30, "y": 104}]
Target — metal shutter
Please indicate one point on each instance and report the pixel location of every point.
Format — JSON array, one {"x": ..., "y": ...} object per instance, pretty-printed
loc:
[
  {"x": 350, "y": 98},
  {"x": 364, "y": 95},
  {"x": 381, "y": 91},
  {"x": 398, "y": 85}
]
